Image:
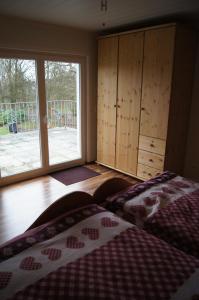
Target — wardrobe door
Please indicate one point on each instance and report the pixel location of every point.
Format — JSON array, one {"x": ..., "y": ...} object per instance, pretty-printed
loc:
[
  {"x": 128, "y": 102},
  {"x": 107, "y": 93},
  {"x": 157, "y": 77}
]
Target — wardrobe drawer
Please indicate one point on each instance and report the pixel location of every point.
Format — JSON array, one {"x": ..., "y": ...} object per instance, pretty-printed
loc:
[
  {"x": 151, "y": 159},
  {"x": 147, "y": 172},
  {"x": 152, "y": 144}
]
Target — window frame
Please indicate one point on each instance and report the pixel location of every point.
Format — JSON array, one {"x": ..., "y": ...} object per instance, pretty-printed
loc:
[{"x": 40, "y": 58}]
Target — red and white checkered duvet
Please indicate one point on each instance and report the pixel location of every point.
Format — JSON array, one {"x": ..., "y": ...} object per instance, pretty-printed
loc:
[
  {"x": 178, "y": 223},
  {"x": 167, "y": 206},
  {"x": 92, "y": 254}
]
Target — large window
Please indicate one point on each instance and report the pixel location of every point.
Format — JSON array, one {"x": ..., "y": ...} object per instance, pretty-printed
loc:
[{"x": 40, "y": 114}]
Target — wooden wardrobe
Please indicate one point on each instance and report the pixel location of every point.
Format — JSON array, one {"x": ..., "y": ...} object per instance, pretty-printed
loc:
[{"x": 144, "y": 94}]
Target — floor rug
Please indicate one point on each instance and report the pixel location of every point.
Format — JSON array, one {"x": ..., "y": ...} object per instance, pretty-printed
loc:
[{"x": 74, "y": 175}]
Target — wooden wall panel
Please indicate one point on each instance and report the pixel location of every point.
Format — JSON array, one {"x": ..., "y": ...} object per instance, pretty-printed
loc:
[
  {"x": 107, "y": 93},
  {"x": 157, "y": 77},
  {"x": 128, "y": 103}
]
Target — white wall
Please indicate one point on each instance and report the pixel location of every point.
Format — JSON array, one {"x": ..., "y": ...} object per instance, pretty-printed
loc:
[{"x": 21, "y": 34}]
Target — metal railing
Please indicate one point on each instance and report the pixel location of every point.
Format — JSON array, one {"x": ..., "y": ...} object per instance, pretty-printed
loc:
[{"x": 23, "y": 116}]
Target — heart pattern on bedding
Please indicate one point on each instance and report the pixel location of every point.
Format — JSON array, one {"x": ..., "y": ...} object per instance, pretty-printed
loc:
[
  {"x": 73, "y": 243},
  {"x": 29, "y": 264},
  {"x": 4, "y": 279},
  {"x": 92, "y": 233},
  {"x": 108, "y": 222},
  {"x": 53, "y": 253}
]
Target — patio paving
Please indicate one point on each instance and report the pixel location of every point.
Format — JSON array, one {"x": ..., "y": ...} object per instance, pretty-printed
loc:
[{"x": 21, "y": 152}]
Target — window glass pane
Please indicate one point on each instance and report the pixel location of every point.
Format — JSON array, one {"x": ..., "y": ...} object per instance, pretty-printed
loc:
[
  {"x": 19, "y": 122},
  {"x": 63, "y": 101}
]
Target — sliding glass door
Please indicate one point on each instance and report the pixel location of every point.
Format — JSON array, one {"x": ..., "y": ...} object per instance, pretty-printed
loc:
[
  {"x": 63, "y": 106},
  {"x": 40, "y": 115},
  {"x": 19, "y": 118}
]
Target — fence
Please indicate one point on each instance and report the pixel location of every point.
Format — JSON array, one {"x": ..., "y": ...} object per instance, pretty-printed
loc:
[{"x": 23, "y": 116}]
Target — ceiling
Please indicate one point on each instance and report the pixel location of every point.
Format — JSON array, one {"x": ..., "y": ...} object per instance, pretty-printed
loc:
[{"x": 86, "y": 14}]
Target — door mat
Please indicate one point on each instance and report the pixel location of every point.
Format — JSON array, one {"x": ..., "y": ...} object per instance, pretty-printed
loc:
[{"x": 74, "y": 175}]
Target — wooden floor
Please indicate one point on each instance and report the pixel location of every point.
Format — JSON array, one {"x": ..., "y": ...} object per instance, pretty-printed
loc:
[{"x": 22, "y": 203}]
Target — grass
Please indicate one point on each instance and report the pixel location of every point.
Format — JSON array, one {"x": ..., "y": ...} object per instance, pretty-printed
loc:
[
  {"x": 25, "y": 126},
  {"x": 4, "y": 131}
]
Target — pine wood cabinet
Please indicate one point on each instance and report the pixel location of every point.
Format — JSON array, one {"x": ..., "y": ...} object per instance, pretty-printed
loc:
[
  {"x": 107, "y": 95},
  {"x": 144, "y": 95},
  {"x": 128, "y": 101},
  {"x": 156, "y": 84}
]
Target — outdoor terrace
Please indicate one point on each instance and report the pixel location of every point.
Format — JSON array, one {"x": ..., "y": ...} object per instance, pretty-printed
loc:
[
  {"x": 20, "y": 152},
  {"x": 19, "y": 135}
]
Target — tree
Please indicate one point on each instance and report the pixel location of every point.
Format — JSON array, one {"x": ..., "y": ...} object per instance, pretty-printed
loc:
[
  {"x": 60, "y": 81},
  {"x": 17, "y": 80}
]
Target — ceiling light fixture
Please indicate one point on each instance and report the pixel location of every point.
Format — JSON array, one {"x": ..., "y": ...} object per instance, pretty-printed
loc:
[
  {"x": 104, "y": 8},
  {"x": 104, "y": 5}
]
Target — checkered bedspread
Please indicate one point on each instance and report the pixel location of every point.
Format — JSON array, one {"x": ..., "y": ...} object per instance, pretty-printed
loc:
[
  {"x": 90, "y": 253},
  {"x": 166, "y": 206},
  {"x": 178, "y": 223}
]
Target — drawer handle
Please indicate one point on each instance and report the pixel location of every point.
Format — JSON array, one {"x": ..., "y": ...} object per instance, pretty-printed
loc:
[
  {"x": 150, "y": 160},
  {"x": 152, "y": 145}
]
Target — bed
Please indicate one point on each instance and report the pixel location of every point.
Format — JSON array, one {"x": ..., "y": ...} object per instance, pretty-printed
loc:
[
  {"x": 91, "y": 253},
  {"x": 166, "y": 206}
]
